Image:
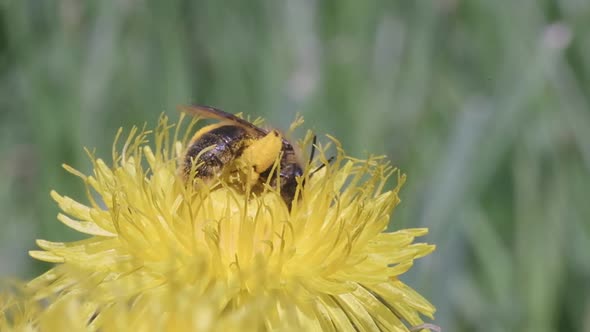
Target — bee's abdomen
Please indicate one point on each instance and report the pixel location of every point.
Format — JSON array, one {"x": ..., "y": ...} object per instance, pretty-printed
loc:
[{"x": 227, "y": 144}]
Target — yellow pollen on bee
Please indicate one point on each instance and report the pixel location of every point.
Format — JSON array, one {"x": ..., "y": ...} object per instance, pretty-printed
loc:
[{"x": 262, "y": 153}]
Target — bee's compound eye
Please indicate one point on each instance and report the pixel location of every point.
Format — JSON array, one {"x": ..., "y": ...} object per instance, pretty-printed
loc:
[
  {"x": 298, "y": 171},
  {"x": 291, "y": 172}
]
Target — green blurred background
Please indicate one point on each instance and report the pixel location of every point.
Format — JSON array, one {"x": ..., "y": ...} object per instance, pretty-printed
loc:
[{"x": 484, "y": 104}]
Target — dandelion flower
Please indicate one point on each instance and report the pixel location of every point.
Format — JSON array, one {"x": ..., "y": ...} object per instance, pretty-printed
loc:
[{"x": 164, "y": 255}]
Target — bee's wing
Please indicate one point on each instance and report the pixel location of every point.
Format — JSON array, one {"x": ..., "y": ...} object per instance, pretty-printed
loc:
[{"x": 209, "y": 112}]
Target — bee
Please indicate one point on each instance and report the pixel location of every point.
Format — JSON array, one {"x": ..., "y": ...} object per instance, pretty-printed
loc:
[{"x": 219, "y": 147}]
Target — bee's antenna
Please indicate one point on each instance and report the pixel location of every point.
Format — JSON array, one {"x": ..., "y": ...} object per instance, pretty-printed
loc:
[
  {"x": 321, "y": 166},
  {"x": 311, "y": 155},
  {"x": 314, "y": 141}
]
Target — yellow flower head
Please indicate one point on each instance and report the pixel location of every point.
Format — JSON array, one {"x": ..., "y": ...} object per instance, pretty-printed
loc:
[{"x": 164, "y": 253}]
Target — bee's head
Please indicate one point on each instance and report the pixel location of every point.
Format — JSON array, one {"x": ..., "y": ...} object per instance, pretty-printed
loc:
[{"x": 288, "y": 181}]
